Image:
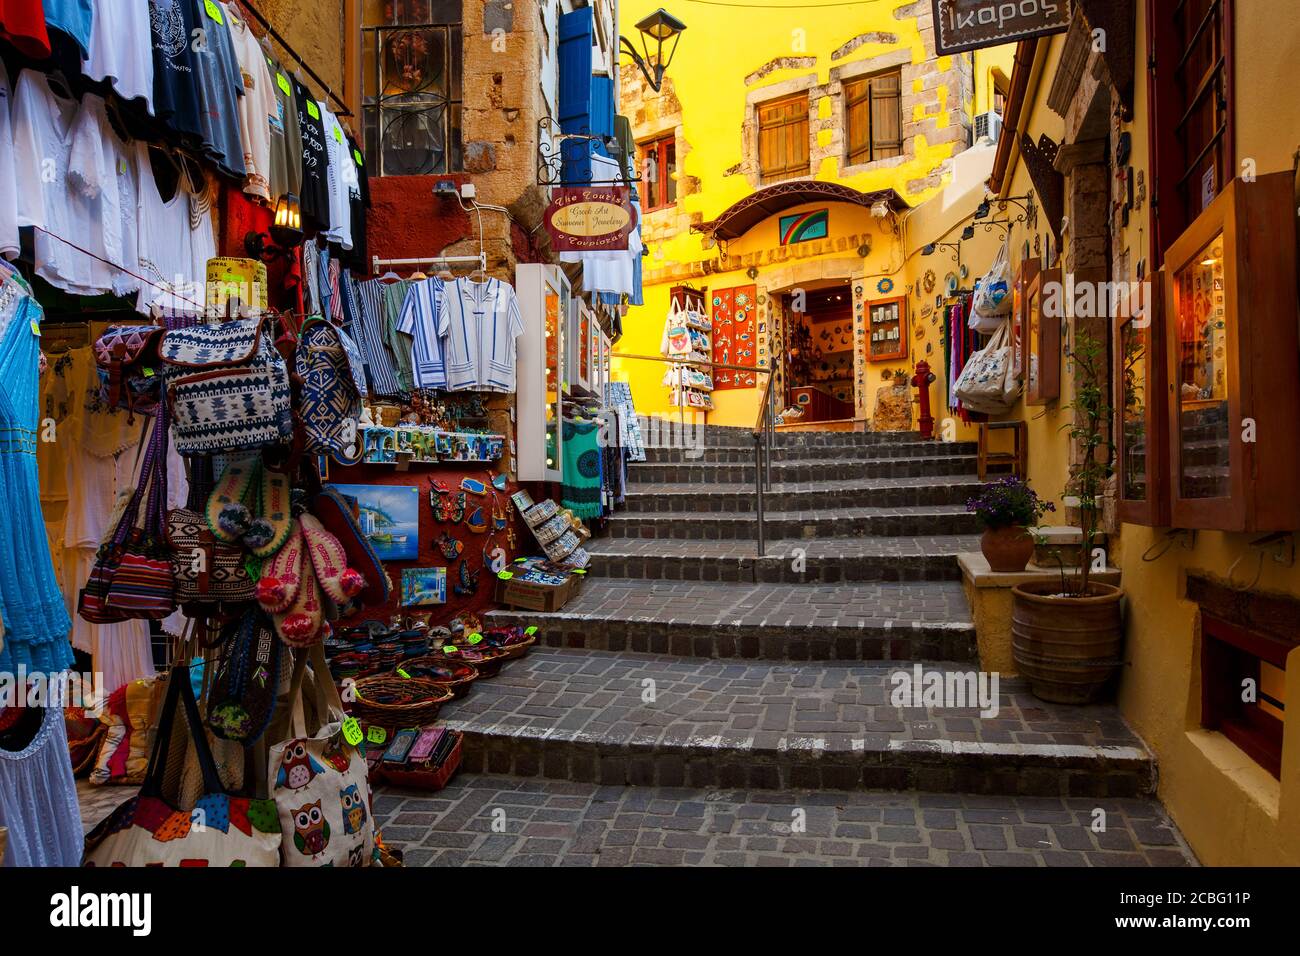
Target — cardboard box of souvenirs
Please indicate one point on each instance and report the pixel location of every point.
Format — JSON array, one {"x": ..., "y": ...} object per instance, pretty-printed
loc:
[{"x": 546, "y": 592}]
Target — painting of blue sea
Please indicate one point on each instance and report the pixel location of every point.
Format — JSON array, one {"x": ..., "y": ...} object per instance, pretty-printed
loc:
[
  {"x": 424, "y": 586},
  {"x": 389, "y": 518}
]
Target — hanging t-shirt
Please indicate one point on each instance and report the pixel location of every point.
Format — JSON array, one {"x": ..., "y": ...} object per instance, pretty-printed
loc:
[
  {"x": 22, "y": 23},
  {"x": 424, "y": 319},
  {"x": 73, "y": 17},
  {"x": 176, "y": 241},
  {"x": 101, "y": 167},
  {"x": 9, "y": 244},
  {"x": 257, "y": 107},
  {"x": 315, "y": 195},
  {"x": 221, "y": 87},
  {"x": 62, "y": 213},
  {"x": 358, "y": 203},
  {"x": 483, "y": 322},
  {"x": 121, "y": 49},
  {"x": 342, "y": 178},
  {"x": 286, "y": 137},
  {"x": 175, "y": 79},
  {"x": 399, "y": 346}
]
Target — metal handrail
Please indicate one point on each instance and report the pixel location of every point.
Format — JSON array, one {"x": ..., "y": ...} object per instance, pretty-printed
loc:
[{"x": 764, "y": 434}]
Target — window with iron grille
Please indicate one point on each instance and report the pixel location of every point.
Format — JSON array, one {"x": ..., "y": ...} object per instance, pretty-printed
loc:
[
  {"x": 411, "y": 85},
  {"x": 783, "y": 137},
  {"x": 873, "y": 117}
]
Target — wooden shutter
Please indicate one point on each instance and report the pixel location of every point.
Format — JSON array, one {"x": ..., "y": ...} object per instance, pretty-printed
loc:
[
  {"x": 576, "y": 92},
  {"x": 783, "y": 137},
  {"x": 857, "y": 120},
  {"x": 886, "y": 116}
]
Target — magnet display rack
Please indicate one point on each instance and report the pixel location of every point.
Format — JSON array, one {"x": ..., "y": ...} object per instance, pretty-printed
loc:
[{"x": 692, "y": 377}]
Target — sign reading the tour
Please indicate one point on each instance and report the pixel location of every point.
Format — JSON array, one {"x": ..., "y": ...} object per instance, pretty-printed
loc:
[
  {"x": 974, "y": 24},
  {"x": 589, "y": 218}
]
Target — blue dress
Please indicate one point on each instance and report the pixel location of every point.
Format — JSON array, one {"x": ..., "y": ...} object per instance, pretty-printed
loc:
[{"x": 36, "y": 621}]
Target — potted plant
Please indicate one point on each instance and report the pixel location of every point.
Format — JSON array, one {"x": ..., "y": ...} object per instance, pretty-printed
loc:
[
  {"x": 1066, "y": 635},
  {"x": 1007, "y": 509}
]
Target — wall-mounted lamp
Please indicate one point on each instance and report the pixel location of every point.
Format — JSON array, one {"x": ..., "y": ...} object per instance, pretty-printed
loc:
[
  {"x": 285, "y": 234},
  {"x": 660, "y": 26},
  {"x": 968, "y": 232}
]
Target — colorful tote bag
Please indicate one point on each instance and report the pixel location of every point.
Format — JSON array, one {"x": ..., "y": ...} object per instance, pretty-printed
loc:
[
  {"x": 331, "y": 403},
  {"x": 127, "y": 359},
  {"x": 221, "y": 830},
  {"x": 319, "y": 781},
  {"x": 228, "y": 387}
]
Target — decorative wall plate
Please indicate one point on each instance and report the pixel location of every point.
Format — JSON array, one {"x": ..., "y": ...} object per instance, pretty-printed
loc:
[
  {"x": 885, "y": 286},
  {"x": 929, "y": 281}
]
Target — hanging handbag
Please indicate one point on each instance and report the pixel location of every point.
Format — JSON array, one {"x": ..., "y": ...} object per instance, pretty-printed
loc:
[
  {"x": 207, "y": 571},
  {"x": 242, "y": 698},
  {"x": 318, "y": 780},
  {"x": 993, "y": 289},
  {"x": 331, "y": 402},
  {"x": 221, "y": 830},
  {"x": 228, "y": 388},
  {"x": 132, "y": 575},
  {"x": 127, "y": 359},
  {"x": 983, "y": 385}
]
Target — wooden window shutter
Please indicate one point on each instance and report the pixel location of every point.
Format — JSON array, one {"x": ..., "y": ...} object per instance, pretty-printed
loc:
[
  {"x": 857, "y": 120},
  {"x": 886, "y": 116},
  {"x": 783, "y": 137}
]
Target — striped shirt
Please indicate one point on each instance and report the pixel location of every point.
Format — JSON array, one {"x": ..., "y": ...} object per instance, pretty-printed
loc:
[
  {"x": 367, "y": 301},
  {"x": 483, "y": 322},
  {"x": 424, "y": 319}
]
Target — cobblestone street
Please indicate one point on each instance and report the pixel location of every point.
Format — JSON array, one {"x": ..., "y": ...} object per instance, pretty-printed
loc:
[{"x": 556, "y": 823}]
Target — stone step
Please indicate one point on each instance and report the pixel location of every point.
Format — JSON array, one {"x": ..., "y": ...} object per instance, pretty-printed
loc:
[
  {"x": 729, "y": 436},
  {"x": 631, "y": 719},
  {"x": 738, "y": 498},
  {"x": 926, "y": 451},
  {"x": 802, "y": 470},
  {"x": 821, "y": 523},
  {"x": 825, "y": 561},
  {"x": 796, "y": 622}
]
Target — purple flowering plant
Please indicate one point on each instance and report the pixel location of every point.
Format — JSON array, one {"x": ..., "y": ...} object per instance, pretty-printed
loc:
[{"x": 1008, "y": 502}]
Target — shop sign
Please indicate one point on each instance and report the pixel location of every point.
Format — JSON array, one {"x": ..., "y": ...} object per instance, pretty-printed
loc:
[
  {"x": 589, "y": 218},
  {"x": 976, "y": 24}
]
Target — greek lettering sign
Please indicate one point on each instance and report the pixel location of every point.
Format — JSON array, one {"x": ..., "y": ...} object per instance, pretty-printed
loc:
[
  {"x": 974, "y": 24},
  {"x": 589, "y": 218}
]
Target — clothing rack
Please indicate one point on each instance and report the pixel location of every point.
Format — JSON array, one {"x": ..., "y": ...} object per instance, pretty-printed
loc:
[{"x": 378, "y": 264}]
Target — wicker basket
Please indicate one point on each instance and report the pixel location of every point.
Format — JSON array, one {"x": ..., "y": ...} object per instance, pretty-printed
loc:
[
  {"x": 458, "y": 674},
  {"x": 392, "y": 701}
]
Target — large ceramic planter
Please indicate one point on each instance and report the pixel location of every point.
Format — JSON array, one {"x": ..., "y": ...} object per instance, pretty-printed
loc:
[
  {"x": 1007, "y": 549},
  {"x": 1068, "y": 648}
]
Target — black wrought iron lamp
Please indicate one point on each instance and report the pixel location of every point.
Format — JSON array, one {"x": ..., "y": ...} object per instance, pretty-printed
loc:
[
  {"x": 285, "y": 233},
  {"x": 659, "y": 27}
]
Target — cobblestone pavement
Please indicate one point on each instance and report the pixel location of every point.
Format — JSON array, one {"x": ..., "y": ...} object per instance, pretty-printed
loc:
[
  {"x": 550, "y": 823},
  {"x": 770, "y": 605}
]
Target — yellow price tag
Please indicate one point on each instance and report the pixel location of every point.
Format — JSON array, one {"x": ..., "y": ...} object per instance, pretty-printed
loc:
[
  {"x": 214, "y": 11},
  {"x": 352, "y": 731},
  {"x": 283, "y": 82},
  {"x": 376, "y": 735},
  {"x": 313, "y": 110}
]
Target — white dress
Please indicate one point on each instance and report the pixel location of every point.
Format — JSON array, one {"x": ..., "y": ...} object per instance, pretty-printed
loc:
[
  {"x": 38, "y": 799},
  {"x": 9, "y": 244},
  {"x": 175, "y": 244}
]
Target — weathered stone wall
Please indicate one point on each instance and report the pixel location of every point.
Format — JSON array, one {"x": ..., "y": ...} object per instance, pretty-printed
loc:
[{"x": 315, "y": 33}]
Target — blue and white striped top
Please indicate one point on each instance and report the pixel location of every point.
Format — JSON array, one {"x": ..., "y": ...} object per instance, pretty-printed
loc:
[
  {"x": 483, "y": 323},
  {"x": 424, "y": 319}
]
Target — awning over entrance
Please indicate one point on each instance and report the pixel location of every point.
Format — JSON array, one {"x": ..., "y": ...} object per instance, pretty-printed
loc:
[{"x": 754, "y": 208}]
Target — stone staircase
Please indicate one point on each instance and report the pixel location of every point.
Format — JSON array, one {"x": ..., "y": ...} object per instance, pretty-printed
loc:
[{"x": 689, "y": 661}]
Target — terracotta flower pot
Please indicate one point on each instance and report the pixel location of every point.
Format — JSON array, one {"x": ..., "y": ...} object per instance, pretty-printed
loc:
[
  {"x": 1067, "y": 647},
  {"x": 1007, "y": 549}
]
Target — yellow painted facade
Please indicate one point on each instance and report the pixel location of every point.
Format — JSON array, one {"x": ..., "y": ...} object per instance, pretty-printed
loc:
[{"x": 728, "y": 63}]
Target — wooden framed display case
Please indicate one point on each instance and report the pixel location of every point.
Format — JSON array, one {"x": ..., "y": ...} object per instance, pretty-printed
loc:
[
  {"x": 1141, "y": 423},
  {"x": 1019, "y": 299},
  {"x": 1232, "y": 365},
  {"x": 545, "y": 300},
  {"x": 582, "y": 325},
  {"x": 1042, "y": 335},
  {"x": 886, "y": 336}
]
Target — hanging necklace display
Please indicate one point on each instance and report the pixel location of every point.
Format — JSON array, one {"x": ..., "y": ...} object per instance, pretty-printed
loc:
[{"x": 499, "y": 517}]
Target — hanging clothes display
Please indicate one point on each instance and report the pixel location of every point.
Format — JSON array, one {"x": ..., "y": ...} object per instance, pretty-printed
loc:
[
  {"x": 399, "y": 347},
  {"x": 38, "y": 796},
  {"x": 341, "y": 180},
  {"x": 424, "y": 319},
  {"x": 31, "y": 605},
  {"x": 258, "y": 107},
  {"x": 121, "y": 50},
  {"x": 483, "y": 326},
  {"x": 581, "y": 490},
  {"x": 75, "y": 18},
  {"x": 368, "y": 332},
  {"x": 358, "y": 203},
  {"x": 314, "y": 198},
  {"x": 22, "y": 23},
  {"x": 221, "y": 88},
  {"x": 175, "y": 92},
  {"x": 9, "y": 241},
  {"x": 176, "y": 237},
  {"x": 286, "y": 137}
]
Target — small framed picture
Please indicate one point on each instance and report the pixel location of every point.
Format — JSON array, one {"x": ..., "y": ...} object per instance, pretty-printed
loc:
[{"x": 423, "y": 587}]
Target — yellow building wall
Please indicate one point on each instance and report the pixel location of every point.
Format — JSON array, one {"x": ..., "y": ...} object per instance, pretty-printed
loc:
[{"x": 727, "y": 60}]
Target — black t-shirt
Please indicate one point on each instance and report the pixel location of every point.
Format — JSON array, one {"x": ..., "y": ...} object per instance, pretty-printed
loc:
[
  {"x": 358, "y": 258},
  {"x": 175, "y": 76},
  {"x": 315, "y": 198}
]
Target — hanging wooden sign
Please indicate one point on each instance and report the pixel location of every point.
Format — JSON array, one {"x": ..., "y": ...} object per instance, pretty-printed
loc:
[
  {"x": 589, "y": 218},
  {"x": 975, "y": 24}
]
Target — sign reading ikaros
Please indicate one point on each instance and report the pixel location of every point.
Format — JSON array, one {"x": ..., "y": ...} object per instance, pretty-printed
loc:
[
  {"x": 974, "y": 24},
  {"x": 589, "y": 218}
]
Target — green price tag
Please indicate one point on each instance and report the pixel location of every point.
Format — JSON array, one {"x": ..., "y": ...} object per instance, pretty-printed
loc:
[
  {"x": 338, "y": 134},
  {"x": 356, "y": 154},
  {"x": 313, "y": 110},
  {"x": 530, "y": 631},
  {"x": 214, "y": 11},
  {"x": 36, "y": 328},
  {"x": 475, "y": 638},
  {"x": 450, "y": 649},
  {"x": 148, "y": 372},
  {"x": 283, "y": 82},
  {"x": 520, "y": 560},
  {"x": 579, "y": 571},
  {"x": 402, "y": 674},
  {"x": 505, "y": 575},
  {"x": 376, "y": 735},
  {"x": 352, "y": 731}
]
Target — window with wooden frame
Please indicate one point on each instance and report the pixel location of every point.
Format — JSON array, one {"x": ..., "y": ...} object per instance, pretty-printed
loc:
[
  {"x": 658, "y": 173},
  {"x": 1243, "y": 688},
  {"x": 1042, "y": 341},
  {"x": 783, "y": 137},
  {"x": 873, "y": 117},
  {"x": 1192, "y": 112},
  {"x": 1141, "y": 426}
]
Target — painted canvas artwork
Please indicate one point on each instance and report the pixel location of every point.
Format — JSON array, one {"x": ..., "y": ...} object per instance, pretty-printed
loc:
[
  {"x": 389, "y": 518},
  {"x": 424, "y": 586}
]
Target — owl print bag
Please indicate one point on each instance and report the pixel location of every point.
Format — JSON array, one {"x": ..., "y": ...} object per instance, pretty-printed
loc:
[{"x": 319, "y": 781}]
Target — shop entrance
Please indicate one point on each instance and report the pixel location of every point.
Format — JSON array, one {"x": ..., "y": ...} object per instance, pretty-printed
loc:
[{"x": 819, "y": 357}]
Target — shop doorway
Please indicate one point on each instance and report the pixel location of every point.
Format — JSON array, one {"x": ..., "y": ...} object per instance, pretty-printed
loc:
[{"x": 818, "y": 362}]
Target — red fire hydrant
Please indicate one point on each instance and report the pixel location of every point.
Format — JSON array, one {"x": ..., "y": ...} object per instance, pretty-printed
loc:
[{"x": 921, "y": 381}]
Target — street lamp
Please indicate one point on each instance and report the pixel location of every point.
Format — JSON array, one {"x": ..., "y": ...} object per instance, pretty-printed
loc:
[{"x": 661, "y": 26}]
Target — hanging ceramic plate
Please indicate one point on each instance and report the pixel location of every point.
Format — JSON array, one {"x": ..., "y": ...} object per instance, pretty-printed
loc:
[
  {"x": 950, "y": 280},
  {"x": 885, "y": 286},
  {"x": 929, "y": 281},
  {"x": 964, "y": 272}
]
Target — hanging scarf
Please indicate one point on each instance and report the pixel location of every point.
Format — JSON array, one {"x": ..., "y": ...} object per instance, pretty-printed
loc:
[{"x": 582, "y": 469}]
